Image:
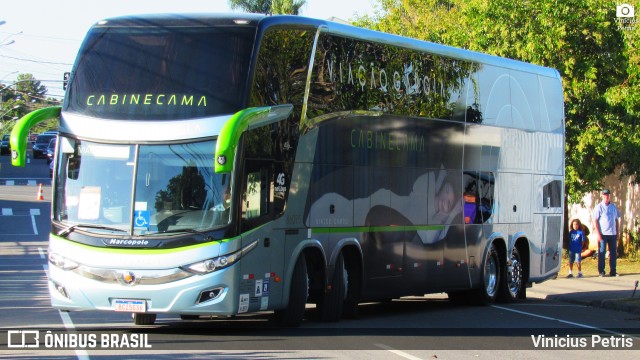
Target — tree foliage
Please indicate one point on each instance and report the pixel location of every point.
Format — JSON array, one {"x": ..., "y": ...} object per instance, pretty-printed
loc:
[
  {"x": 271, "y": 7},
  {"x": 596, "y": 56},
  {"x": 19, "y": 98}
]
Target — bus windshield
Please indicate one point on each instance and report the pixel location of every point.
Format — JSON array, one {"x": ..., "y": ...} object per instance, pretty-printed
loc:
[
  {"x": 171, "y": 188},
  {"x": 161, "y": 73}
]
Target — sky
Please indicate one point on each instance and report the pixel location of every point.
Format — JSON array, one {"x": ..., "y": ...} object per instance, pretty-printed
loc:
[{"x": 42, "y": 37}]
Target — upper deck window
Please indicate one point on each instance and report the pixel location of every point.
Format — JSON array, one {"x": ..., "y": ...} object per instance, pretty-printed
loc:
[{"x": 161, "y": 73}]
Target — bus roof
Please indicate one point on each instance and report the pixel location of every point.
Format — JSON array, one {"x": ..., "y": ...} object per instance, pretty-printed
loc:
[{"x": 264, "y": 22}]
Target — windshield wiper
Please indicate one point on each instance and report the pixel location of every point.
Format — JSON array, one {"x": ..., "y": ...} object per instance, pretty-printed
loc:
[
  {"x": 91, "y": 226},
  {"x": 189, "y": 231}
]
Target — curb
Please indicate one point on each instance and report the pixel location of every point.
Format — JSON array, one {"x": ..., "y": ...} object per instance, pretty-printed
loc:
[{"x": 630, "y": 305}]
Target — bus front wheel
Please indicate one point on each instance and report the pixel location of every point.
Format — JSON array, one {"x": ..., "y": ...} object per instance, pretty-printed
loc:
[
  {"x": 331, "y": 304},
  {"x": 292, "y": 315},
  {"x": 143, "y": 319}
]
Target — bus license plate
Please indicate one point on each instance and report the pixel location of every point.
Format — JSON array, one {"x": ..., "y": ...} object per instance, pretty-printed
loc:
[{"x": 125, "y": 305}]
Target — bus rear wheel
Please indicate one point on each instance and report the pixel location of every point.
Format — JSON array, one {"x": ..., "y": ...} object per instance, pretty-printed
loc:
[
  {"x": 512, "y": 287},
  {"x": 491, "y": 272},
  {"x": 293, "y": 314}
]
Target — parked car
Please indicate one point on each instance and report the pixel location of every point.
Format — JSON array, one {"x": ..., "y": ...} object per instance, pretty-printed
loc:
[
  {"x": 51, "y": 150},
  {"x": 5, "y": 148},
  {"x": 41, "y": 145}
]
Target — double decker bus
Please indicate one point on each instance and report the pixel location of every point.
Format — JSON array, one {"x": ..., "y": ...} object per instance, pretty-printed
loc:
[{"x": 231, "y": 164}]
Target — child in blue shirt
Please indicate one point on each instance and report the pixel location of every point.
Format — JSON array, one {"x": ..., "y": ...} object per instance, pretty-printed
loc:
[{"x": 577, "y": 240}]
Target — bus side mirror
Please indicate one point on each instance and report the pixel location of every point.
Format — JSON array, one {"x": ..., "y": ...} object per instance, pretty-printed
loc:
[
  {"x": 240, "y": 122},
  {"x": 18, "y": 138}
]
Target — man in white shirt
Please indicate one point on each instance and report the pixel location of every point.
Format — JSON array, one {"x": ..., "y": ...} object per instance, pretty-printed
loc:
[{"x": 605, "y": 224}]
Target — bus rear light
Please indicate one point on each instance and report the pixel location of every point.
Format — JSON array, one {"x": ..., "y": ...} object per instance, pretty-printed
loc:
[{"x": 208, "y": 295}]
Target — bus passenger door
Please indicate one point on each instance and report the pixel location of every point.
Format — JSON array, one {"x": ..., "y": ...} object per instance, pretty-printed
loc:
[{"x": 259, "y": 206}]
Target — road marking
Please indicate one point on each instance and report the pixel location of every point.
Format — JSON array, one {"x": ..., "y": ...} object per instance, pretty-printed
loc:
[
  {"x": 66, "y": 320},
  {"x": 585, "y": 326},
  {"x": 43, "y": 253},
  {"x": 68, "y": 324},
  {"x": 25, "y": 307},
  {"x": 33, "y": 222},
  {"x": 552, "y": 305},
  {"x": 397, "y": 352},
  {"x": 32, "y": 213},
  {"x": 26, "y": 181}
]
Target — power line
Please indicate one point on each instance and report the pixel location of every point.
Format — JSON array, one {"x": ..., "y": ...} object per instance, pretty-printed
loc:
[
  {"x": 36, "y": 61},
  {"x": 28, "y": 35}
]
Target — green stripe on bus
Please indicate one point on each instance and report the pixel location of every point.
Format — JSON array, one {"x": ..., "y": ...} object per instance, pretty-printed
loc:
[
  {"x": 140, "y": 250},
  {"x": 335, "y": 230}
]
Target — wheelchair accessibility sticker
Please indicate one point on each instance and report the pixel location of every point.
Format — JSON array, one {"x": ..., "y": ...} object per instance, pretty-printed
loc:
[{"x": 141, "y": 219}]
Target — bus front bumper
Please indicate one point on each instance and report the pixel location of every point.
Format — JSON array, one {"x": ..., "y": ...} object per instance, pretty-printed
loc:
[{"x": 196, "y": 294}]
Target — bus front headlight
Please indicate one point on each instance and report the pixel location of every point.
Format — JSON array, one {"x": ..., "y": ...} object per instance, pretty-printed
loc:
[
  {"x": 210, "y": 265},
  {"x": 62, "y": 262},
  {"x": 220, "y": 262}
]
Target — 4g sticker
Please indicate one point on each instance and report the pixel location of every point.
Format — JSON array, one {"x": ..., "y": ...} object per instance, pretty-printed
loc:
[{"x": 281, "y": 182}]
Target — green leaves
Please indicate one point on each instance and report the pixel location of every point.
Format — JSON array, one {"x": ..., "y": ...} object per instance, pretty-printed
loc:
[
  {"x": 289, "y": 7},
  {"x": 597, "y": 57}
]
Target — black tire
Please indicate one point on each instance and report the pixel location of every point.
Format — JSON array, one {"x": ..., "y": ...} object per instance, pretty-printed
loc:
[
  {"x": 189, "y": 317},
  {"x": 512, "y": 287},
  {"x": 350, "y": 309},
  {"x": 459, "y": 298},
  {"x": 299, "y": 292},
  {"x": 491, "y": 274},
  {"x": 144, "y": 319},
  {"x": 330, "y": 305}
]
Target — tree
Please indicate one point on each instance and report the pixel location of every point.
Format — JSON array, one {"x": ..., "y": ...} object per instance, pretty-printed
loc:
[
  {"x": 24, "y": 95},
  {"x": 30, "y": 89},
  {"x": 596, "y": 57},
  {"x": 290, "y": 7}
]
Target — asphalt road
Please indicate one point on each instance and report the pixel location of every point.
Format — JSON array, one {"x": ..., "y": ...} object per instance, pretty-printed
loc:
[{"x": 410, "y": 328}]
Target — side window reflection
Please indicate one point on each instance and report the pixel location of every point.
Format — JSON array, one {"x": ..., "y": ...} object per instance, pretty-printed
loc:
[{"x": 478, "y": 197}]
